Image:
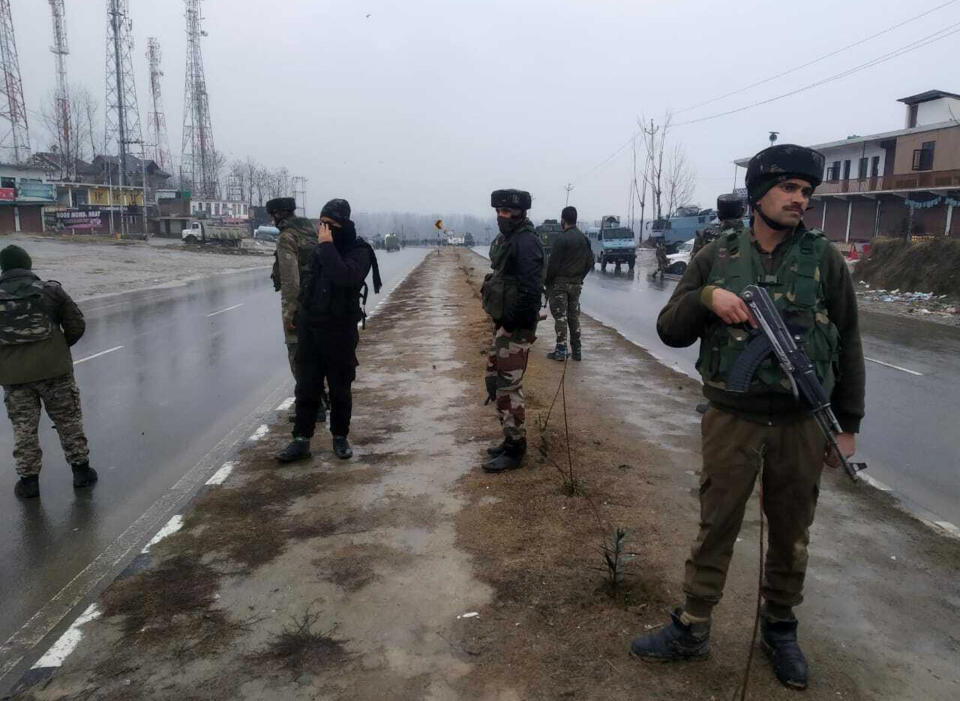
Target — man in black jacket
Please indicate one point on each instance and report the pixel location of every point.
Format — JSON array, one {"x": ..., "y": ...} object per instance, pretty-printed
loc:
[
  {"x": 570, "y": 261},
  {"x": 327, "y": 336},
  {"x": 511, "y": 296}
]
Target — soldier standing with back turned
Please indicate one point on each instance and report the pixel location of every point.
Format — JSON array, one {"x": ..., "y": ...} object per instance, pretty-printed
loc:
[
  {"x": 291, "y": 271},
  {"x": 570, "y": 262},
  {"x": 765, "y": 433},
  {"x": 38, "y": 324},
  {"x": 511, "y": 296}
]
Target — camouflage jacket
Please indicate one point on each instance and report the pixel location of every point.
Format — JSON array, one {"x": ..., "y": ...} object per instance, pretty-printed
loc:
[
  {"x": 50, "y": 357},
  {"x": 715, "y": 231},
  {"x": 295, "y": 245}
]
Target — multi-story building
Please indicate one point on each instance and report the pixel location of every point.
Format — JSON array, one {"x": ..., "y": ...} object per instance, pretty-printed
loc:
[
  {"x": 24, "y": 192},
  {"x": 897, "y": 183}
]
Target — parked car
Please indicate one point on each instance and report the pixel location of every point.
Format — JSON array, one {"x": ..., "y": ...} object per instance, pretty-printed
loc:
[
  {"x": 266, "y": 233},
  {"x": 677, "y": 262}
]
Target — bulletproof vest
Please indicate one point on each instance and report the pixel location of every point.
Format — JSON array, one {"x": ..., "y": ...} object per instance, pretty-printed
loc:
[
  {"x": 24, "y": 314},
  {"x": 797, "y": 291},
  {"x": 499, "y": 291},
  {"x": 306, "y": 242}
]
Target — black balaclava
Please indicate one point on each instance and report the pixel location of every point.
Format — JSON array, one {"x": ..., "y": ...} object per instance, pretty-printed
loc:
[{"x": 508, "y": 225}]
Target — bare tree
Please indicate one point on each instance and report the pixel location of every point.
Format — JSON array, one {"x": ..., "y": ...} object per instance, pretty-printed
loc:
[
  {"x": 680, "y": 180},
  {"x": 262, "y": 182},
  {"x": 71, "y": 140}
]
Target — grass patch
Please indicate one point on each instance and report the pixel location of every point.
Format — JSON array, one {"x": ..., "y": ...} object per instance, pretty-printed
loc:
[{"x": 299, "y": 647}]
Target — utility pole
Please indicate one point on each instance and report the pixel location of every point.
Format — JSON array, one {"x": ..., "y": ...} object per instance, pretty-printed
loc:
[
  {"x": 156, "y": 119},
  {"x": 11, "y": 88},
  {"x": 569, "y": 189},
  {"x": 60, "y": 50},
  {"x": 197, "y": 152},
  {"x": 122, "y": 116}
]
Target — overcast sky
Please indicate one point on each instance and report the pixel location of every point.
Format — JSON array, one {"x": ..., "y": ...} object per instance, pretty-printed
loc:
[{"x": 428, "y": 105}]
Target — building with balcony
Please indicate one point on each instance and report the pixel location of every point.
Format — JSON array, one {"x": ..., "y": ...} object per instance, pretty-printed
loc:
[
  {"x": 24, "y": 193},
  {"x": 898, "y": 183}
]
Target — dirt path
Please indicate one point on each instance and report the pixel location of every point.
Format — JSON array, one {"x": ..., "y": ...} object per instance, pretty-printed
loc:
[{"x": 347, "y": 580}]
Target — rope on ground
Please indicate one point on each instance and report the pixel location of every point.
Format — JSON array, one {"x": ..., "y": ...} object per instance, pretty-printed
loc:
[{"x": 756, "y": 620}]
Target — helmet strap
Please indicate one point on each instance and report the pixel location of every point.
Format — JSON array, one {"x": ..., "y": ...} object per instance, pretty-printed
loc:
[{"x": 776, "y": 226}]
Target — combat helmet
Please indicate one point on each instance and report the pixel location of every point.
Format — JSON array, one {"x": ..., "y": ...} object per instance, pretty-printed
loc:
[
  {"x": 281, "y": 204},
  {"x": 782, "y": 162},
  {"x": 510, "y": 199},
  {"x": 730, "y": 206}
]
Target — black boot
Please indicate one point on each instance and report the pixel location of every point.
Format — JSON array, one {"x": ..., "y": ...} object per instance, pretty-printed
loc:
[
  {"x": 341, "y": 447},
  {"x": 83, "y": 475},
  {"x": 576, "y": 355},
  {"x": 27, "y": 487},
  {"x": 558, "y": 353},
  {"x": 780, "y": 642},
  {"x": 298, "y": 449},
  {"x": 675, "y": 641},
  {"x": 509, "y": 459},
  {"x": 495, "y": 450}
]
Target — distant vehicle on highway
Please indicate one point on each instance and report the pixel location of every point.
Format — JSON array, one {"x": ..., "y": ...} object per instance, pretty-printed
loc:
[
  {"x": 612, "y": 243},
  {"x": 391, "y": 242},
  {"x": 216, "y": 234},
  {"x": 678, "y": 262},
  {"x": 266, "y": 233}
]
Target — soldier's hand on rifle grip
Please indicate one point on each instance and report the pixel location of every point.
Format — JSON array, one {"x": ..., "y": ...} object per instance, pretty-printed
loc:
[
  {"x": 730, "y": 308},
  {"x": 848, "y": 446}
]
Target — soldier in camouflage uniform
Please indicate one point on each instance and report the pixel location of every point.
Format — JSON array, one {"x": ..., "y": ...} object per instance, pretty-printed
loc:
[
  {"x": 291, "y": 272},
  {"x": 730, "y": 211},
  {"x": 570, "y": 262},
  {"x": 38, "y": 324},
  {"x": 511, "y": 296}
]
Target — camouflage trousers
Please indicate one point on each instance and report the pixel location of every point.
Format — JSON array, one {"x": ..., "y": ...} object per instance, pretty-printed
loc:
[
  {"x": 61, "y": 398},
  {"x": 506, "y": 364},
  {"x": 564, "y": 298}
]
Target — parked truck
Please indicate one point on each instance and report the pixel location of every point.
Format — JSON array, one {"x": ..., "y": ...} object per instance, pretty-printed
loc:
[
  {"x": 391, "y": 242},
  {"x": 215, "y": 234}
]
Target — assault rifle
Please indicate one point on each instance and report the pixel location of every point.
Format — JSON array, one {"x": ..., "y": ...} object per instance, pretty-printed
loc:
[{"x": 772, "y": 336}]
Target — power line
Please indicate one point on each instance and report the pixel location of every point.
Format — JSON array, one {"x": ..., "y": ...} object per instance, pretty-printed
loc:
[
  {"x": 883, "y": 58},
  {"x": 821, "y": 58}
]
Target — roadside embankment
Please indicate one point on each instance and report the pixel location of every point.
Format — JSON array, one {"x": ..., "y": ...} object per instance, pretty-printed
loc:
[
  {"x": 93, "y": 267},
  {"x": 407, "y": 573}
]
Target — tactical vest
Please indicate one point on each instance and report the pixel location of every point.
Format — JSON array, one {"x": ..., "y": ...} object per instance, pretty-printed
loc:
[
  {"x": 796, "y": 290},
  {"x": 24, "y": 317},
  {"x": 499, "y": 291},
  {"x": 306, "y": 242}
]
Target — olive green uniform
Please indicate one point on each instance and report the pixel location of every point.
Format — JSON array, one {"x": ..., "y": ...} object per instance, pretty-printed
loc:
[
  {"x": 765, "y": 427},
  {"x": 291, "y": 267},
  {"x": 570, "y": 262}
]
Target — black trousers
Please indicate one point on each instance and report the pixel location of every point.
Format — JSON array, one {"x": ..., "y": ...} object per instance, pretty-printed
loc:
[{"x": 330, "y": 352}]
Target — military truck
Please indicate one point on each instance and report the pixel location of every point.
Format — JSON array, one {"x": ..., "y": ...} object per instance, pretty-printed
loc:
[
  {"x": 391, "y": 242},
  {"x": 612, "y": 243},
  {"x": 215, "y": 234},
  {"x": 548, "y": 233}
]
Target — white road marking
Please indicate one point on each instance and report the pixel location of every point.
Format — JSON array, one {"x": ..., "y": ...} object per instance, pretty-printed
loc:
[
  {"x": 286, "y": 403},
  {"x": 228, "y": 309},
  {"x": 895, "y": 367},
  {"x": 261, "y": 431},
  {"x": 67, "y": 642},
  {"x": 173, "y": 525},
  {"x": 97, "y": 355},
  {"x": 220, "y": 476}
]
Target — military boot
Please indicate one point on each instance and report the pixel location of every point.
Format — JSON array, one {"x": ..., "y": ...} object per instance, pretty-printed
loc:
[
  {"x": 559, "y": 353},
  {"x": 495, "y": 450},
  {"x": 83, "y": 475},
  {"x": 675, "y": 641},
  {"x": 298, "y": 449},
  {"x": 576, "y": 354},
  {"x": 780, "y": 642},
  {"x": 510, "y": 458},
  {"x": 341, "y": 447},
  {"x": 27, "y": 487}
]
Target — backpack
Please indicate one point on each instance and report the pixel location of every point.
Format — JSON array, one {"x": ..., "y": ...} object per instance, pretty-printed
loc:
[{"x": 24, "y": 317}]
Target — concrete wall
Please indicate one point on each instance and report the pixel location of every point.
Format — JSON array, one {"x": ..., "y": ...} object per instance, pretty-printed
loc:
[
  {"x": 853, "y": 153},
  {"x": 936, "y": 111},
  {"x": 946, "y": 154}
]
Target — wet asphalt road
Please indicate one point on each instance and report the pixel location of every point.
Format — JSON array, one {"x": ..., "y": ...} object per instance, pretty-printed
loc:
[
  {"x": 909, "y": 436},
  {"x": 180, "y": 368}
]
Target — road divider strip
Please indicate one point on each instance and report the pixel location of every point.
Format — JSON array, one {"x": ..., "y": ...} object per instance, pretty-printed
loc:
[
  {"x": 261, "y": 431},
  {"x": 895, "y": 367},
  {"x": 67, "y": 642},
  {"x": 220, "y": 476},
  {"x": 97, "y": 355},
  {"x": 228, "y": 309},
  {"x": 172, "y": 526}
]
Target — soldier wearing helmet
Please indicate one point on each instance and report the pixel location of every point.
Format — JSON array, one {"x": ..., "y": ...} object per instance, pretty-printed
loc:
[
  {"x": 766, "y": 433},
  {"x": 511, "y": 296},
  {"x": 730, "y": 211}
]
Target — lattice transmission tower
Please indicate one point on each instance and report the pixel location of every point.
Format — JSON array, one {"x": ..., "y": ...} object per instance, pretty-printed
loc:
[
  {"x": 156, "y": 120},
  {"x": 16, "y": 139},
  {"x": 198, "y": 157},
  {"x": 122, "y": 114},
  {"x": 64, "y": 126}
]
